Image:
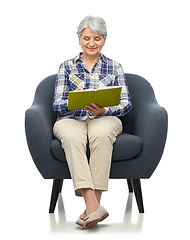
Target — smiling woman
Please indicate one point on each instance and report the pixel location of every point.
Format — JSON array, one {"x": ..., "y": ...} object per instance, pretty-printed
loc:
[
  {"x": 91, "y": 44},
  {"x": 89, "y": 69},
  {"x": 92, "y": 34}
]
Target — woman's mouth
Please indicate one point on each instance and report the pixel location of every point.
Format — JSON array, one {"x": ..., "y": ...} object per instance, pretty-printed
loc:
[{"x": 91, "y": 49}]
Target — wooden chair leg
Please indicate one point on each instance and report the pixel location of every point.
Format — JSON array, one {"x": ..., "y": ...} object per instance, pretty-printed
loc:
[
  {"x": 130, "y": 185},
  {"x": 56, "y": 189},
  {"x": 138, "y": 194},
  {"x": 61, "y": 186}
]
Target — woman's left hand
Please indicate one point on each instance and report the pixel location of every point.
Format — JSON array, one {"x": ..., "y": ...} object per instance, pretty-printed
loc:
[{"x": 95, "y": 109}]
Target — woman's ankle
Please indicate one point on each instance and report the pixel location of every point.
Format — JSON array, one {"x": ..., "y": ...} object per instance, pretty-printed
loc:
[
  {"x": 90, "y": 208},
  {"x": 90, "y": 199}
]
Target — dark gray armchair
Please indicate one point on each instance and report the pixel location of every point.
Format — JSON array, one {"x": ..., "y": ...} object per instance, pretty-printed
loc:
[{"x": 137, "y": 151}]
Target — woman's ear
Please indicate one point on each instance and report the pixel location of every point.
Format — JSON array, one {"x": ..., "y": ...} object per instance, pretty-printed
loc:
[{"x": 104, "y": 40}]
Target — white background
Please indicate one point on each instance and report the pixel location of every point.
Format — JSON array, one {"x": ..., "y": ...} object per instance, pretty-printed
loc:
[{"x": 150, "y": 39}]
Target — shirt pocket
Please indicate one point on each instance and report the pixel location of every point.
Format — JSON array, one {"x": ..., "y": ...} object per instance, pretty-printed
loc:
[
  {"x": 73, "y": 84},
  {"x": 106, "y": 80}
]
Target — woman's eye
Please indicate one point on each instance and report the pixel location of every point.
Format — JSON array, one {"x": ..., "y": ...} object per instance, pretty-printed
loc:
[
  {"x": 86, "y": 39},
  {"x": 97, "y": 39}
]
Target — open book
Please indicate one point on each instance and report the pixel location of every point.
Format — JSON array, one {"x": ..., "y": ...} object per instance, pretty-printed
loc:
[{"x": 103, "y": 97}]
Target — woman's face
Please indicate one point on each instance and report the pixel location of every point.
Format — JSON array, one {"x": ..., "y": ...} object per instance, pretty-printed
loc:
[{"x": 91, "y": 43}]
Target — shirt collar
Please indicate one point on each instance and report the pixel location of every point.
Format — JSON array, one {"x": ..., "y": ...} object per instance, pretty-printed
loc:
[
  {"x": 78, "y": 58},
  {"x": 104, "y": 58}
]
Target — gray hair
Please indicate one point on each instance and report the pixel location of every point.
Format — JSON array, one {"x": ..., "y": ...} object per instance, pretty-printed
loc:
[{"x": 96, "y": 25}]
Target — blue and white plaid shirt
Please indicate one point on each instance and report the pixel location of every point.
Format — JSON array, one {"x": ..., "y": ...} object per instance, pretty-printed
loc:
[{"x": 105, "y": 72}]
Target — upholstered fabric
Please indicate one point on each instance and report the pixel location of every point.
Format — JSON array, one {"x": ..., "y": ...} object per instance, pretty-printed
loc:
[
  {"x": 137, "y": 152},
  {"x": 126, "y": 146}
]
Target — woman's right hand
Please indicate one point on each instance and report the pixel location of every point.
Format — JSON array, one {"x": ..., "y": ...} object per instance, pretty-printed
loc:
[{"x": 79, "y": 89}]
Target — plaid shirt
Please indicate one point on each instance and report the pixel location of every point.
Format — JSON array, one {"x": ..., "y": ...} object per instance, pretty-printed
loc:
[{"x": 105, "y": 72}]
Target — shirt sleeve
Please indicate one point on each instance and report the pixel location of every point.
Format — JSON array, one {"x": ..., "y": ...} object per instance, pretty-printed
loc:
[
  {"x": 125, "y": 103},
  {"x": 60, "y": 100}
]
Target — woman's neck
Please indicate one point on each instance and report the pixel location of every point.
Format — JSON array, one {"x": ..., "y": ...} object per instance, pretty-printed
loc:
[{"x": 90, "y": 59}]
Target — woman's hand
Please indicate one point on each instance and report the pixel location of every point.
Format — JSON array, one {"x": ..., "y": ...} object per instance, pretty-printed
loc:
[
  {"x": 95, "y": 109},
  {"x": 79, "y": 89}
]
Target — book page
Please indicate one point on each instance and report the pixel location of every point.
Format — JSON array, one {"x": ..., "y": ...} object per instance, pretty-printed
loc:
[{"x": 110, "y": 87}]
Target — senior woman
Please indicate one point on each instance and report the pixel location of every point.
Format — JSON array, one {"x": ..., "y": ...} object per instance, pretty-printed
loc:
[{"x": 100, "y": 126}]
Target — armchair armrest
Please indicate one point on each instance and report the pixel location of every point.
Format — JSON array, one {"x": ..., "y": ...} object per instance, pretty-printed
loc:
[
  {"x": 38, "y": 126},
  {"x": 150, "y": 122},
  {"x": 39, "y": 121}
]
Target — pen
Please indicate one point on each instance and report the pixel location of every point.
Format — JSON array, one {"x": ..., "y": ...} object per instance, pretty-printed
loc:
[{"x": 76, "y": 79}]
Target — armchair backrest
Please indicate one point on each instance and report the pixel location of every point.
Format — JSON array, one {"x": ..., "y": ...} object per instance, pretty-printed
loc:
[
  {"x": 139, "y": 88},
  {"x": 142, "y": 94},
  {"x": 44, "y": 96}
]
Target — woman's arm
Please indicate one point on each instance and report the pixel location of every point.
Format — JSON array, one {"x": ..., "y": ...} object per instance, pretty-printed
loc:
[
  {"x": 125, "y": 104},
  {"x": 60, "y": 100}
]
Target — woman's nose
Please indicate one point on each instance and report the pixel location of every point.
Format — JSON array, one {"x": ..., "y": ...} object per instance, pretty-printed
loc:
[{"x": 91, "y": 43}]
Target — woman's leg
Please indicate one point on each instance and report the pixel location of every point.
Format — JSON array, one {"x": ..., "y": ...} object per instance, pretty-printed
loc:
[
  {"x": 73, "y": 135},
  {"x": 98, "y": 194},
  {"x": 90, "y": 200},
  {"x": 102, "y": 134}
]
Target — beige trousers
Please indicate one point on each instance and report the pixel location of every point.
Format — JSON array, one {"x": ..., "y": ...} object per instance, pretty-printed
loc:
[{"x": 101, "y": 133}]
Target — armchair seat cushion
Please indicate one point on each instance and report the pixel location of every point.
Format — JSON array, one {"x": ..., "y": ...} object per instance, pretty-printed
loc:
[{"x": 126, "y": 147}]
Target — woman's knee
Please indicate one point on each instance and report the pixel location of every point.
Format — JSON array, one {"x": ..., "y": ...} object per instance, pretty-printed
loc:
[
  {"x": 101, "y": 138},
  {"x": 70, "y": 130}
]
